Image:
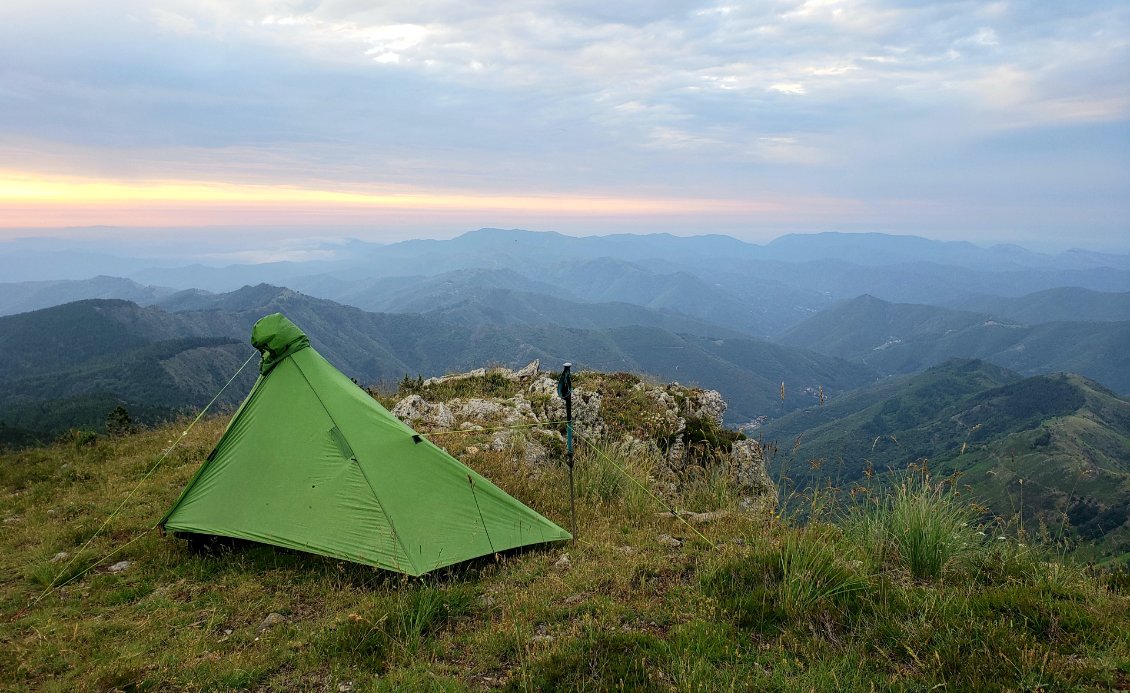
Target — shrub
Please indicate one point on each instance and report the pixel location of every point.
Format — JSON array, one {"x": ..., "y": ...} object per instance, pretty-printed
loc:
[{"x": 118, "y": 422}]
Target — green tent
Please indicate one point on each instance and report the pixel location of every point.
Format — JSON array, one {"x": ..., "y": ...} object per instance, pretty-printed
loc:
[{"x": 311, "y": 462}]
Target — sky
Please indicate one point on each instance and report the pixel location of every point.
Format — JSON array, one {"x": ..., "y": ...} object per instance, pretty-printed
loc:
[{"x": 983, "y": 121}]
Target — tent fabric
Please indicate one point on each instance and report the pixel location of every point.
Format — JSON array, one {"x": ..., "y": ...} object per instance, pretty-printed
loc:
[{"x": 311, "y": 462}]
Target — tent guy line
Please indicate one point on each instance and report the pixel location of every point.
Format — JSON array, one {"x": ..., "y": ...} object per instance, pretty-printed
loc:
[
  {"x": 645, "y": 489},
  {"x": 510, "y": 427},
  {"x": 312, "y": 462},
  {"x": 372, "y": 468},
  {"x": 52, "y": 586}
]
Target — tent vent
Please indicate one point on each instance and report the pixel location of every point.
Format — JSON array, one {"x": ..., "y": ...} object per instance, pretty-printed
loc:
[{"x": 342, "y": 444}]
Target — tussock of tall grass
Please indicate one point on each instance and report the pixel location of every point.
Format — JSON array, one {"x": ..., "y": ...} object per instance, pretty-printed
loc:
[
  {"x": 805, "y": 573},
  {"x": 918, "y": 524}
]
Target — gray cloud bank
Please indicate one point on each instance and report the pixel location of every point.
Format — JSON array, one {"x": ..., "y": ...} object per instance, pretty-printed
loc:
[{"x": 1007, "y": 119}]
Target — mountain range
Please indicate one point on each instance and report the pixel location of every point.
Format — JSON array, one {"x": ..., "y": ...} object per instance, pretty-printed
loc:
[
  {"x": 896, "y": 338},
  {"x": 97, "y": 349},
  {"x": 850, "y": 351},
  {"x": 761, "y": 290}
]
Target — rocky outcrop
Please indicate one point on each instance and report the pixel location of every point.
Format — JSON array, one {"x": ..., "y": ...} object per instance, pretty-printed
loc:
[
  {"x": 414, "y": 410},
  {"x": 678, "y": 427}
]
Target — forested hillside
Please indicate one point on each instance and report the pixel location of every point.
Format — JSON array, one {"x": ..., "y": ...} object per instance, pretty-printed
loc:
[
  {"x": 1057, "y": 445},
  {"x": 80, "y": 357}
]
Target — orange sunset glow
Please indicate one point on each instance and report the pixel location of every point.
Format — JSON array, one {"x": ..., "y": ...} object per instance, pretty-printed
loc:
[{"x": 35, "y": 201}]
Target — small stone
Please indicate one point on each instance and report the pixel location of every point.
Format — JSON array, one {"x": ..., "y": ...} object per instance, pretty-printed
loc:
[
  {"x": 61, "y": 556},
  {"x": 345, "y": 686},
  {"x": 668, "y": 540},
  {"x": 120, "y": 566},
  {"x": 563, "y": 563},
  {"x": 273, "y": 619}
]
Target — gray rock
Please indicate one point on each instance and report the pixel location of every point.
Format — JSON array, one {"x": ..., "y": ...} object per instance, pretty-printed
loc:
[
  {"x": 529, "y": 371},
  {"x": 757, "y": 490},
  {"x": 415, "y": 408},
  {"x": 477, "y": 373},
  {"x": 120, "y": 566},
  {"x": 706, "y": 404},
  {"x": 668, "y": 540},
  {"x": 477, "y": 409},
  {"x": 273, "y": 619},
  {"x": 59, "y": 557},
  {"x": 501, "y": 441},
  {"x": 563, "y": 563},
  {"x": 534, "y": 453}
]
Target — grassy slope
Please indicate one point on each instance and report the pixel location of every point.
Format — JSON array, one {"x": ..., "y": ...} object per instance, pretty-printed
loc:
[
  {"x": 1063, "y": 435},
  {"x": 773, "y": 607}
]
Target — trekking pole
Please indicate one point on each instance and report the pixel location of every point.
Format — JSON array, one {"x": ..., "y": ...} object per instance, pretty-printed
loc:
[{"x": 565, "y": 391}]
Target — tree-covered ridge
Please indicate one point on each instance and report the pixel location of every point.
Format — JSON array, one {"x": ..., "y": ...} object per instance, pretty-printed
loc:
[{"x": 159, "y": 360}]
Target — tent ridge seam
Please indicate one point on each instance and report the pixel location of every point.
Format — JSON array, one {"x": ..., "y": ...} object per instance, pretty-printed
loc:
[{"x": 376, "y": 496}]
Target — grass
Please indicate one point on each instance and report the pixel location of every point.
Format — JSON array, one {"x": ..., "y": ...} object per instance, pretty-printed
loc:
[
  {"x": 896, "y": 593},
  {"x": 919, "y": 524}
]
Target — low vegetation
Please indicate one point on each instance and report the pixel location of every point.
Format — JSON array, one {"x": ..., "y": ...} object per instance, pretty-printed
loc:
[{"x": 902, "y": 590}]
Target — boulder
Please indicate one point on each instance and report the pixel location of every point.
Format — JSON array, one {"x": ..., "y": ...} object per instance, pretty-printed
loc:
[
  {"x": 529, "y": 371},
  {"x": 477, "y": 409},
  {"x": 706, "y": 404},
  {"x": 757, "y": 490},
  {"x": 415, "y": 409}
]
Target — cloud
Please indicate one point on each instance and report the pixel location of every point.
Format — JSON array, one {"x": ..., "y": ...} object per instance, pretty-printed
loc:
[{"x": 833, "y": 98}]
